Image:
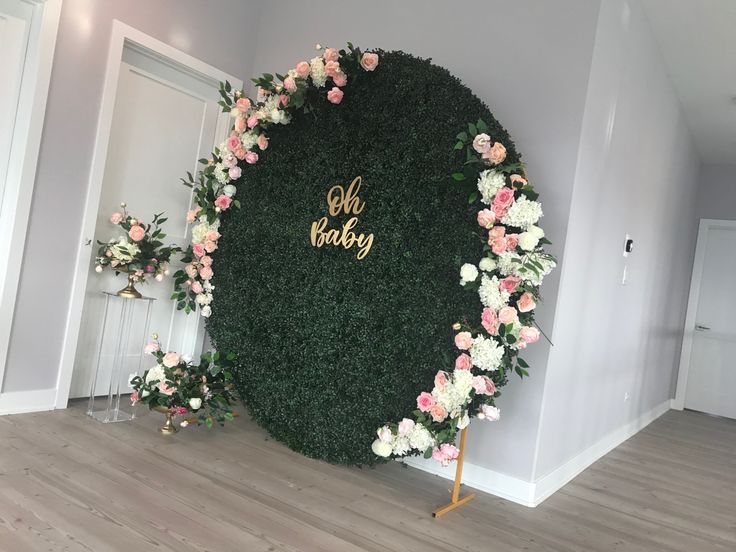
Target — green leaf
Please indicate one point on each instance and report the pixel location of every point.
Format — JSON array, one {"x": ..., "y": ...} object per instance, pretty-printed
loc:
[
  {"x": 428, "y": 453},
  {"x": 459, "y": 146},
  {"x": 472, "y": 130},
  {"x": 473, "y": 197},
  {"x": 458, "y": 176}
]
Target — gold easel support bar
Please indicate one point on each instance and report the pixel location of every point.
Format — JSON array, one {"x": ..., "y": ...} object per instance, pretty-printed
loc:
[{"x": 456, "y": 500}]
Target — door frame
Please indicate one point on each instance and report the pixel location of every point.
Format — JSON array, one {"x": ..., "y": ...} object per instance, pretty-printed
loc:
[
  {"x": 23, "y": 160},
  {"x": 122, "y": 36},
  {"x": 678, "y": 403}
]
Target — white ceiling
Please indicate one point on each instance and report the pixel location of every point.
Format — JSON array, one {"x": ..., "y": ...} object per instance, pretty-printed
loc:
[{"x": 698, "y": 42}]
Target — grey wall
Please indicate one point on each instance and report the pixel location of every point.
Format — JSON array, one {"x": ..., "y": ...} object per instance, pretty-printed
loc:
[
  {"x": 194, "y": 26},
  {"x": 637, "y": 173},
  {"x": 717, "y": 193},
  {"x": 529, "y": 60}
]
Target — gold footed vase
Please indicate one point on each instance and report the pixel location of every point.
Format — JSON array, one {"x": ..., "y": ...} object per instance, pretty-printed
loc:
[
  {"x": 168, "y": 428},
  {"x": 129, "y": 291}
]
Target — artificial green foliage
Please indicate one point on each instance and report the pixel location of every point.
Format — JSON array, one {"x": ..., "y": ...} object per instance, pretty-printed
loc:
[{"x": 329, "y": 347}]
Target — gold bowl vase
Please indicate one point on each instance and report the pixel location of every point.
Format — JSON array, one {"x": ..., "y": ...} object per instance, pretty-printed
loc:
[
  {"x": 168, "y": 428},
  {"x": 129, "y": 291}
]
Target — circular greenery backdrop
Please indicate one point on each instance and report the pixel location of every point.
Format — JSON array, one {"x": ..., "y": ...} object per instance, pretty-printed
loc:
[{"x": 331, "y": 347}]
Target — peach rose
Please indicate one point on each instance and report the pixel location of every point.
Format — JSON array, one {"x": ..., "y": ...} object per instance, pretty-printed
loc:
[
  {"x": 171, "y": 359},
  {"x": 191, "y": 270},
  {"x": 498, "y": 245},
  {"x": 497, "y": 232},
  {"x": 463, "y": 362},
  {"x": 335, "y": 95},
  {"x": 508, "y": 315},
  {"x": 486, "y": 218},
  {"x": 369, "y": 61},
  {"x": 302, "y": 69},
  {"x": 489, "y": 320},
  {"x": 340, "y": 79},
  {"x": 332, "y": 68},
  {"x": 440, "y": 380},
  {"x": 137, "y": 233},
  {"x": 262, "y": 141},
  {"x": 529, "y": 334},
  {"x": 210, "y": 246},
  {"x": 331, "y": 55},
  {"x": 243, "y": 104},
  {"x": 240, "y": 153},
  {"x": 518, "y": 179},
  {"x": 290, "y": 84},
  {"x": 116, "y": 218},
  {"x": 197, "y": 287},
  {"x": 239, "y": 124},
  {"x": 206, "y": 261},
  {"x": 206, "y": 272},
  {"x": 526, "y": 302},
  {"x": 496, "y": 154},
  {"x": 463, "y": 341},
  {"x": 438, "y": 412},
  {"x": 212, "y": 235}
]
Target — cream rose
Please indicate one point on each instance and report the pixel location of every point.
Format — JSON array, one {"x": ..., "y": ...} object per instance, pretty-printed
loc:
[
  {"x": 468, "y": 273},
  {"x": 528, "y": 241}
]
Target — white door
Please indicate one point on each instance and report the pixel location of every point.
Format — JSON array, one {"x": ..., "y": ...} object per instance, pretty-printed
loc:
[
  {"x": 711, "y": 376},
  {"x": 164, "y": 120}
]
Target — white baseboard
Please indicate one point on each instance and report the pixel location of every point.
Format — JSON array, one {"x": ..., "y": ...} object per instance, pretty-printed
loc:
[
  {"x": 20, "y": 402},
  {"x": 531, "y": 494}
]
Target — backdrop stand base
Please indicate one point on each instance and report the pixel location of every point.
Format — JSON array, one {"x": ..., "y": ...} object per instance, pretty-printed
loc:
[
  {"x": 456, "y": 501},
  {"x": 442, "y": 510}
]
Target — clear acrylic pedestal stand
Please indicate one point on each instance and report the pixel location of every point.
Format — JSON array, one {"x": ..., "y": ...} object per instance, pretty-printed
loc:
[{"x": 108, "y": 374}]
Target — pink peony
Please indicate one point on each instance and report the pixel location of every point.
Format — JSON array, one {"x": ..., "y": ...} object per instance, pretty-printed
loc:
[
  {"x": 171, "y": 359},
  {"x": 151, "y": 347},
  {"x": 496, "y": 154},
  {"x": 482, "y": 143},
  {"x": 262, "y": 141},
  {"x": 529, "y": 334},
  {"x": 340, "y": 79},
  {"x": 463, "y": 341},
  {"x": 438, "y": 412},
  {"x": 486, "y": 218},
  {"x": 489, "y": 320},
  {"x": 504, "y": 197},
  {"x": 331, "y": 55},
  {"x": 198, "y": 249},
  {"x": 483, "y": 385},
  {"x": 210, "y": 246},
  {"x": 508, "y": 315},
  {"x": 137, "y": 233},
  {"x": 223, "y": 202},
  {"x": 235, "y": 172},
  {"x": 243, "y": 104},
  {"x": 206, "y": 261},
  {"x": 463, "y": 362},
  {"x": 197, "y": 287},
  {"x": 369, "y": 61},
  {"x": 290, "y": 84},
  {"x": 116, "y": 218},
  {"x": 302, "y": 69},
  {"x": 252, "y": 121},
  {"x": 440, "y": 380},
  {"x": 251, "y": 158},
  {"x": 206, "y": 272},
  {"x": 526, "y": 302},
  {"x": 425, "y": 401},
  {"x": 335, "y": 95},
  {"x": 233, "y": 142},
  {"x": 240, "y": 124},
  {"x": 509, "y": 283},
  {"x": 498, "y": 245}
]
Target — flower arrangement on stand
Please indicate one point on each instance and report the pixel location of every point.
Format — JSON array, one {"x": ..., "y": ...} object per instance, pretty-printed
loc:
[
  {"x": 139, "y": 253},
  {"x": 200, "y": 393}
]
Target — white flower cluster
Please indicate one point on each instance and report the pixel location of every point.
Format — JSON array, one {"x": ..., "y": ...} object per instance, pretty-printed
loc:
[
  {"x": 199, "y": 232},
  {"x": 486, "y": 354},
  {"x": 511, "y": 264},
  {"x": 491, "y": 295},
  {"x": 489, "y": 182},
  {"x": 456, "y": 392},
  {"x": 123, "y": 250},
  {"x": 523, "y": 213},
  {"x": 468, "y": 273},
  {"x": 317, "y": 71}
]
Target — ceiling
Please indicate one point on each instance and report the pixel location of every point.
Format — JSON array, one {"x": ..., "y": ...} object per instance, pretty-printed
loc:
[{"x": 698, "y": 42}]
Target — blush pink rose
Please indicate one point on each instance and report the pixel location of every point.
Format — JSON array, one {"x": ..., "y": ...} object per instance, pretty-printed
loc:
[
  {"x": 496, "y": 154},
  {"x": 206, "y": 261},
  {"x": 508, "y": 315},
  {"x": 262, "y": 141},
  {"x": 164, "y": 388},
  {"x": 243, "y": 104},
  {"x": 445, "y": 453},
  {"x": 486, "y": 218},
  {"x": 512, "y": 240},
  {"x": 425, "y": 401},
  {"x": 251, "y": 158},
  {"x": 223, "y": 202},
  {"x": 235, "y": 172},
  {"x": 463, "y": 362},
  {"x": 290, "y": 84},
  {"x": 191, "y": 270},
  {"x": 483, "y": 385},
  {"x": 498, "y": 245},
  {"x": 206, "y": 272},
  {"x": 504, "y": 197},
  {"x": 341, "y": 79},
  {"x": 198, "y": 249},
  {"x": 529, "y": 334},
  {"x": 497, "y": 232},
  {"x": 463, "y": 341},
  {"x": 331, "y": 55},
  {"x": 489, "y": 320},
  {"x": 302, "y": 69},
  {"x": 406, "y": 426},
  {"x": 438, "y": 412},
  {"x": 440, "y": 380},
  {"x": 369, "y": 61},
  {"x": 116, "y": 218},
  {"x": 210, "y": 246},
  {"x": 526, "y": 302},
  {"x": 482, "y": 143},
  {"x": 212, "y": 235},
  {"x": 509, "y": 283},
  {"x": 240, "y": 124},
  {"x": 252, "y": 121},
  {"x": 240, "y": 153},
  {"x": 197, "y": 287},
  {"x": 335, "y": 95},
  {"x": 170, "y": 359},
  {"x": 233, "y": 142},
  {"x": 137, "y": 233},
  {"x": 499, "y": 211},
  {"x": 283, "y": 100},
  {"x": 332, "y": 68},
  {"x": 518, "y": 179},
  {"x": 193, "y": 214},
  {"x": 151, "y": 347}
]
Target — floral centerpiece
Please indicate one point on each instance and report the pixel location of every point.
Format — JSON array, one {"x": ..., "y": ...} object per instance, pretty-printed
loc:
[
  {"x": 139, "y": 253},
  {"x": 201, "y": 393}
]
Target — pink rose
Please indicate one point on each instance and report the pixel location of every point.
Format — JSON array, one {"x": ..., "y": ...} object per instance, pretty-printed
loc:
[
  {"x": 251, "y": 158},
  {"x": 498, "y": 245},
  {"x": 512, "y": 240},
  {"x": 233, "y": 142},
  {"x": 509, "y": 283},
  {"x": 116, "y": 218},
  {"x": 406, "y": 426},
  {"x": 440, "y": 380},
  {"x": 335, "y": 95},
  {"x": 425, "y": 401},
  {"x": 340, "y": 79},
  {"x": 206, "y": 273},
  {"x": 499, "y": 211},
  {"x": 488, "y": 412},
  {"x": 331, "y": 55},
  {"x": 212, "y": 235},
  {"x": 302, "y": 69},
  {"x": 290, "y": 84},
  {"x": 489, "y": 320},
  {"x": 486, "y": 218},
  {"x": 496, "y": 154},
  {"x": 171, "y": 359},
  {"x": 223, "y": 202},
  {"x": 483, "y": 385},
  {"x": 235, "y": 172},
  {"x": 463, "y": 362},
  {"x": 482, "y": 143},
  {"x": 497, "y": 232},
  {"x": 252, "y": 121},
  {"x": 445, "y": 453},
  {"x": 137, "y": 233},
  {"x": 508, "y": 315},
  {"x": 193, "y": 214},
  {"x": 229, "y": 161},
  {"x": 504, "y": 197},
  {"x": 332, "y": 68},
  {"x": 210, "y": 246},
  {"x": 198, "y": 249},
  {"x": 240, "y": 153},
  {"x": 151, "y": 347},
  {"x": 529, "y": 334},
  {"x": 243, "y": 104},
  {"x": 518, "y": 179},
  {"x": 206, "y": 261},
  {"x": 438, "y": 412},
  {"x": 463, "y": 341},
  {"x": 526, "y": 302},
  {"x": 164, "y": 388},
  {"x": 134, "y": 397},
  {"x": 240, "y": 124},
  {"x": 191, "y": 270},
  {"x": 150, "y": 269},
  {"x": 197, "y": 287},
  {"x": 369, "y": 61},
  {"x": 283, "y": 100},
  {"x": 262, "y": 141}
]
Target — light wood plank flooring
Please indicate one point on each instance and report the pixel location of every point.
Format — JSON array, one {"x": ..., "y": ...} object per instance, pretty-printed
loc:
[{"x": 69, "y": 483}]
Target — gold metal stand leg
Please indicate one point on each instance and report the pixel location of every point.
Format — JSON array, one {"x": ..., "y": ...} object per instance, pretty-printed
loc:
[{"x": 456, "y": 500}]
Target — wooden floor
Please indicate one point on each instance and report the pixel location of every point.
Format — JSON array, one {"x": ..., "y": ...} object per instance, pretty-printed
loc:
[{"x": 69, "y": 483}]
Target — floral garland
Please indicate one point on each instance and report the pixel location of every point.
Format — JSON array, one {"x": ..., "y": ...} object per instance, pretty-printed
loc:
[{"x": 507, "y": 279}]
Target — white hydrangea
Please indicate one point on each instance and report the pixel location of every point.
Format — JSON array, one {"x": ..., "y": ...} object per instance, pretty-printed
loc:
[
  {"x": 203, "y": 298},
  {"x": 487, "y": 264},
  {"x": 400, "y": 445},
  {"x": 491, "y": 295},
  {"x": 420, "y": 438},
  {"x": 155, "y": 374},
  {"x": 486, "y": 354},
  {"x": 523, "y": 213},
  {"x": 123, "y": 250},
  {"x": 319, "y": 77},
  {"x": 450, "y": 398},
  {"x": 463, "y": 381},
  {"x": 199, "y": 231},
  {"x": 249, "y": 140},
  {"x": 509, "y": 267},
  {"x": 468, "y": 273},
  {"x": 279, "y": 117},
  {"x": 221, "y": 174},
  {"x": 508, "y": 263},
  {"x": 489, "y": 182}
]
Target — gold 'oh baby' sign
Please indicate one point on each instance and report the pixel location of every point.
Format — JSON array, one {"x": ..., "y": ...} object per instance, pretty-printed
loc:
[{"x": 346, "y": 202}]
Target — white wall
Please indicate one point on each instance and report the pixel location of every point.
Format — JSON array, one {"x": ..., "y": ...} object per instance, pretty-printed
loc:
[
  {"x": 717, "y": 192},
  {"x": 194, "y": 26},
  {"x": 637, "y": 173}
]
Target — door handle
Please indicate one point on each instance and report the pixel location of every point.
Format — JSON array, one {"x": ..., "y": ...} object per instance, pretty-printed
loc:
[{"x": 701, "y": 328}]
